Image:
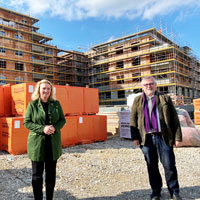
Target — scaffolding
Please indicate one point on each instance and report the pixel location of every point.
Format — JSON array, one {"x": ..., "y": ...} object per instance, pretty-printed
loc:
[
  {"x": 117, "y": 67},
  {"x": 73, "y": 67},
  {"x": 27, "y": 56}
]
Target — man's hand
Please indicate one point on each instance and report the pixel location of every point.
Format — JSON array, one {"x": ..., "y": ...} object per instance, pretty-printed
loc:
[
  {"x": 136, "y": 142},
  {"x": 177, "y": 143}
]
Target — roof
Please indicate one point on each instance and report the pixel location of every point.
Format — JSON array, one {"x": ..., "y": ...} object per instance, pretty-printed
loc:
[{"x": 20, "y": 14}]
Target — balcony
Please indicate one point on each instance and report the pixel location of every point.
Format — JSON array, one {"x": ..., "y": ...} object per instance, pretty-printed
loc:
[{"x": 37, "y": 49}]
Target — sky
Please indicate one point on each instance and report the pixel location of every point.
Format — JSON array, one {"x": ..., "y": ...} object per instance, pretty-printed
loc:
[{"x": 81, "y": 24}]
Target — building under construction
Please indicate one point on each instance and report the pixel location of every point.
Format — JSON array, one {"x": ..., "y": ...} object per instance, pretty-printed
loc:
[
  {"x": 74, "y": 65},
  {"x": 27, "y": 56},
  {"x": 117, "y": 67}
]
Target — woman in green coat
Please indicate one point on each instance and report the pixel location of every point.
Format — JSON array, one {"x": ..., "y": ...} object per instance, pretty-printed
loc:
[{"x": 44, "y": 118}]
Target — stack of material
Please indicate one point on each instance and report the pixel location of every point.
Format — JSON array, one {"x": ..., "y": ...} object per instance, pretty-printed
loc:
[
  {"x": 112, "y": 114},
  {"x": 191, "y": 135},
  {"x": 13, "y": 135},
  {"x": 196, "y": 103},
  {"x": 112, "y": 122},
  {"x": 80, "y": 106}
]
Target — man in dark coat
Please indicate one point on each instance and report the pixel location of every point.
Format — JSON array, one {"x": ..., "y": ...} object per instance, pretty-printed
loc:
[{"x": 155, "y": 127}]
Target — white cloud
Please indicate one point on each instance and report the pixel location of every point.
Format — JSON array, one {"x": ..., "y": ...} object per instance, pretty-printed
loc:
[{"x": 82, "y": 9}]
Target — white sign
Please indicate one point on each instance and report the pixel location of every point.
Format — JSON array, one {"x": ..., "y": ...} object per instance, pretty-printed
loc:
[
  {"x": 80, "y": 120},
  {"x": 30, "y": 89},
  {"x": 124, "y": 124},
  {"x": 17, "y": 124}
]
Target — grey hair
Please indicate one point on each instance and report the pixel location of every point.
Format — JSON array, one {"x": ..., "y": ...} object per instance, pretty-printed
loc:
[{"x": 148, "y": 77}]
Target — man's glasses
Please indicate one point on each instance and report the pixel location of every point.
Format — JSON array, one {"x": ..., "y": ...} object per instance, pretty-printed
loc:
[{"x": 148, "y": 84}]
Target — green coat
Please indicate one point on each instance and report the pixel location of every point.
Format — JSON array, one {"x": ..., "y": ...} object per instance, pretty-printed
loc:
[
  {"x": 35, "y": 121},
  {"x": 169, "y": 122}
]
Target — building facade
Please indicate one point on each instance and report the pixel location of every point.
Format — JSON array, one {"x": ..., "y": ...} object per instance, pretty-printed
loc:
[
  {"x": 74, "y": 66},
  {"x": 117, "y": 67},
  {"x": 27, "y": 56}
]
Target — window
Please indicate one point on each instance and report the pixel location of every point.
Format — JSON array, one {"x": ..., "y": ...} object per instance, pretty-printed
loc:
[
  {"x": 18, "y": 80},
  {"x": 49, "y": 52},
  {"x": 120, "y": 81},
  {"x": 121, "y": 94},
  {"x": 18, "y": 53},
  {"x": 19, "y": 66},
  {"x": 24, "y": 21},
  {"x": 2, "y": 50},
  {"x": 135, "y": 48},
  {"x": 108, "y": 95},
  {"x": 136, "y": 61},
  {"x": 3, "y": 33},
  {"x": 79, "y": 79},
  {"x": 119, "y": 51},
  {"x": 2, "y": 64},
  {"x": 18, "y": 36},
  {"x": 78, "y": 57},
  {"x": 120, "y": 64},
  {"x": 105, "y": 67},
  {"x": 136, "y": 74},
  {"x": 2, "y": 80}
]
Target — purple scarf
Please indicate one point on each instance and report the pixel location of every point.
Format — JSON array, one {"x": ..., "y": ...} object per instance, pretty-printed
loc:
[{"x": 152, "y": 123}]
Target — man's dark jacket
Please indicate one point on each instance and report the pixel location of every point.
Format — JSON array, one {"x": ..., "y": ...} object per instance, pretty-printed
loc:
[{"x": 169, "y": 122}]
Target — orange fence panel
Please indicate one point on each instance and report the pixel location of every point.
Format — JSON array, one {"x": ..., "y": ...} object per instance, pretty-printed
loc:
[
  {"x": 13, "y": 135},
  {"x": 100, "y": 127},
  {"x": 85, "y": 129},
  {"x": 69, "y": 133},
  {"x": 21, "y": 95},
  {"x": 91, "y": 100}
]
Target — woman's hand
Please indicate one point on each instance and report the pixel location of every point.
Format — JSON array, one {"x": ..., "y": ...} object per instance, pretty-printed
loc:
[{"x": 49, "y": 129}]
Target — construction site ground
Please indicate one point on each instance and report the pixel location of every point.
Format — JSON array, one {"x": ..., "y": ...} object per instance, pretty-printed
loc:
[{"x": 113, "y": 169}]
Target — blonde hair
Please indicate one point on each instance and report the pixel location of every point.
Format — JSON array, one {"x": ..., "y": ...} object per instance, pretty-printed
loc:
[{"x": 36, "y": 93}]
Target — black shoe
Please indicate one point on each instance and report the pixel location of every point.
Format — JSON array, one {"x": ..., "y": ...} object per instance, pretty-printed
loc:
[
  {"x": 176, "y": 197},
  {"x": 155, "y": 196}
]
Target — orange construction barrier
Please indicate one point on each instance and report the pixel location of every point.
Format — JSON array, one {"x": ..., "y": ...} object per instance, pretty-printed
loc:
[
  {"x": 74, "y": 100},
  {"x": 100, "y": 127},
  {"x": 0, "y": 138},
  {"x": 61, "y": 96},
  {"x": 21, "y": 95},
  {"x": 196, "y": 103},
  {"x": 85, "y": 129},
  {"x": 197, "y": 117},
  {"x": 69, "y": 133},
  {"x": 13, "y": 135},
  {"x": 1, "y": 102},
  {"x": 91, "y": 100},
  {"x": 7, "y": 99}
]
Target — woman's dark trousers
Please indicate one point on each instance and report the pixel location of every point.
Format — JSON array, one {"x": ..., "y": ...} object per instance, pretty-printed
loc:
[{"x": 37, "y": 178}]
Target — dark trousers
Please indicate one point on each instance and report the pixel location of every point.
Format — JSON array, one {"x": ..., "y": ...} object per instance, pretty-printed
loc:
[
  {"x": 37, "y": 178},
  {"x": 154, "y": 147}
]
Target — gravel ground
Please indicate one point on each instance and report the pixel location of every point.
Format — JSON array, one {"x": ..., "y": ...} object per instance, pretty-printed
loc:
[{"x": 113, "y": 169}]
